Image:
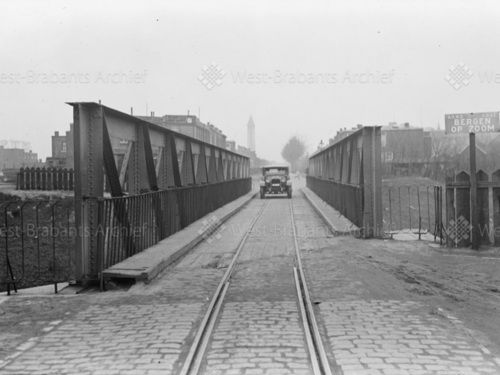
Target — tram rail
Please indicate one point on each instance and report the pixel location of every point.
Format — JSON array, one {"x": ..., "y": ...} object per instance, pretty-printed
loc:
[{"x": 317, "y": 354}]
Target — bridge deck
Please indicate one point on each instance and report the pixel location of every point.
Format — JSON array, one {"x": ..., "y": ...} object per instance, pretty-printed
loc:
[{"x": 147, "y": 264}]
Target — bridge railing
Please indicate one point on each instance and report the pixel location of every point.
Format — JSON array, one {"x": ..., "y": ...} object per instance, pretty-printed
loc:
[
  {"x": 347, "y": 199},
  {"x": 129, "y": 225},
  {"x": 142, "y": 164},
  {"x": 347, "y": 175}
]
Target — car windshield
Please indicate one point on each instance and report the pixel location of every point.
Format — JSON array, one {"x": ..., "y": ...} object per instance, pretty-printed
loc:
[{"x": 275, "y": 171}]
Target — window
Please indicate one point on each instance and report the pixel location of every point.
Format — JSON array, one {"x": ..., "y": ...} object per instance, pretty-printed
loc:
[
  {"x": 387, "y": 156},
  {"x": 63, "y": 146}
]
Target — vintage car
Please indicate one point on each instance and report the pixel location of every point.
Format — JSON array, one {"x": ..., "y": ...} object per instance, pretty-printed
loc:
[{"x": 275, "y": 180}]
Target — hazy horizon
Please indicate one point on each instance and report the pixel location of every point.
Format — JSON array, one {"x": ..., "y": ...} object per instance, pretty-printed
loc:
[{"x": 298, "y": 68}]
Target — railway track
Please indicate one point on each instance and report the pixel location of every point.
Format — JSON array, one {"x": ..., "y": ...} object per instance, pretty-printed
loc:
[
  {"x": 319, "y": 360},
  {"x": 317, "y": 356}
]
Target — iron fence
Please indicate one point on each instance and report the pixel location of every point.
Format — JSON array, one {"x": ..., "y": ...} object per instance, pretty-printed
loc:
[
  {"x": 129, "y": 225},
  {"x": 45, "y": 179},
  {"x": 415, "y": 209},
  {"x": 38, "y": 243}
]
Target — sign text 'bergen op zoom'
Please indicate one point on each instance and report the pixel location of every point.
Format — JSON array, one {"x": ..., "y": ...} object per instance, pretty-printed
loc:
[{"x": 483, "y": 122}]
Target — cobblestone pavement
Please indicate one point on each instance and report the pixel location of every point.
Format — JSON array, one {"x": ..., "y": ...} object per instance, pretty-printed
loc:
[
  {"x": 128, "y": 339},
  {"x": 147, "y": 330},
  {"x": 398, "y": 337},
  {"x": 258, "y": 338},
  {"x": 365, "y": 329},
  {"x": 369, "y": 325}
]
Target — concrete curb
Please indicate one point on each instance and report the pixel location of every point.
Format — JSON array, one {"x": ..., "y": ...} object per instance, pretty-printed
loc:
[
  {"x": 36, "y": 291},
  {"x": 353, "y": 229},
  {"x": 147, "y": 264}
]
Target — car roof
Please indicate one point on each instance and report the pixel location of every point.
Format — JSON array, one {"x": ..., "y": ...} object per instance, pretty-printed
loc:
[{"x": 276, "y": 166}]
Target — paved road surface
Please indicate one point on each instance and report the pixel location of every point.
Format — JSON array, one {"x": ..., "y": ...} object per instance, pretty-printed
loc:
[{"x": 366, "y": 328}]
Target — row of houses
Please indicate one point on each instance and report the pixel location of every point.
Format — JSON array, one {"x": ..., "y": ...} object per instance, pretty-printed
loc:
[
  {"x": 62, "y": 153},
  {"x": 62, "y": 144},
  {"x": 408, "y": 150},
  {"x": 189, "y": 125}
]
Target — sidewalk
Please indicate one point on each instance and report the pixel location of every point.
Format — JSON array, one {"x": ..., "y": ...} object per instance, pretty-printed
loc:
[
  {"x": 147, "y": 264},
  {"x": 339, "y": 224}
]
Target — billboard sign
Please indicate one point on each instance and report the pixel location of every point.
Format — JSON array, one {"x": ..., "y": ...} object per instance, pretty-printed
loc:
[{"x": 483, "y": 122}]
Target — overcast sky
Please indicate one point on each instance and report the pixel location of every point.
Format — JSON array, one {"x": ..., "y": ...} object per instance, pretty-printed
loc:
[{"x": 299, "y": 68}]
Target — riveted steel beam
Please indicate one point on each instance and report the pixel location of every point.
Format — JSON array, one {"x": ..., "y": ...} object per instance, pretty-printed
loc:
[
  {"x": 105, "y": 137},
  {"x": 353, "y": 166}
]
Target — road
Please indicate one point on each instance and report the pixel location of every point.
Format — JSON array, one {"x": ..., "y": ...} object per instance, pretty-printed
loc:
[{"x": 383, "y": 307}]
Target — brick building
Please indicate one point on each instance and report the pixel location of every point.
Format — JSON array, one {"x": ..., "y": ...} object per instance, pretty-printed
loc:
[
  {"x": 15, "y": 158},
  {"x": 405, "y": 149},
  {"x": 12, "y": 159},
  {"x": 62, "y": 150}
]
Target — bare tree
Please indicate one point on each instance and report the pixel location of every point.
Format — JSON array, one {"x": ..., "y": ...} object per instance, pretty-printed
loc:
[{"x": 293, "y": 151}]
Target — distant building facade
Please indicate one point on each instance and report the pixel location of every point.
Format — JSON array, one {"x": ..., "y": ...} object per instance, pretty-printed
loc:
[
  {"x": 245, "y": 151},
  {"x": 405, "y": 149},
  {"x": 251, "y": 134},
  {"x": 190, "y": 126},
  {"x": 231, "y": 145},
  {"x": 62, "y": 150},
  {"x": 15, "y": 158}
]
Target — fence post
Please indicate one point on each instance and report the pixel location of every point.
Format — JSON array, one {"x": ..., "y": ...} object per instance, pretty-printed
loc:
[
  {"x": 473, "y": 193},
  {"x": 38, "y": 178},
  {"x": 60, "y": 179},
  {"x": 71, "y": 179},
  {"x": 21, "y": 179},
  {"x": 495, "y": 176},
  {"x": 27, "y": 181},
  {"x": 54, "y": 178},
  {"x": 483, "y": 214},
  {"x": 65, "y": 179},
  {"x": 463, "y": 212},
  {"x": 44, "y": 178},
  {"x": 450, "y": 210}
]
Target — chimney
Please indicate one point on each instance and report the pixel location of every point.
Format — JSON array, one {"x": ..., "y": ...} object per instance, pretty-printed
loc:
[
  {"x": 152, "y": 114},
  {"x": 407, "y": 124},
  {"x": 131, "y": 111},
  {"x": 188, "y": 112},
  {"x": 57, "y": 134},
  {"x": 360, "y": 126}
]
